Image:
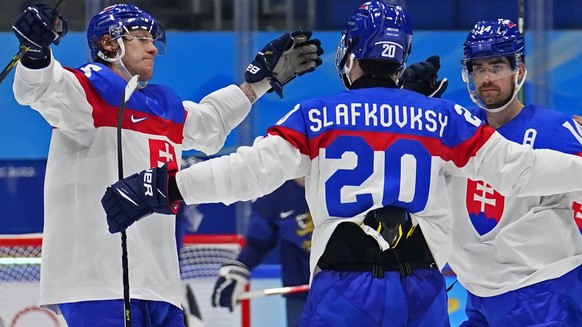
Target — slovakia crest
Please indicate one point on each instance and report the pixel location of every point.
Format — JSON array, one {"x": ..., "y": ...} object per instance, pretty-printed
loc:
[
  {"x": 484, "y": 206},
  {"x": 161, "y": 152}
]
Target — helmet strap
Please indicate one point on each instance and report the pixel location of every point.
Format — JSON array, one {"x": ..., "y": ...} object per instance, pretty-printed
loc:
[
  {"x": 346, "y": 76},
  {"x": 399, "y": 72},
  {"x": 518, "y": 84}
]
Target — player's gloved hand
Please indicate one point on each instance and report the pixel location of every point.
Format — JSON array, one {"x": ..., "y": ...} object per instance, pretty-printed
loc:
[
  {"x": 422, "y": 78},
  {"x": 234, "y": 278},
  {"x": 137, "y": 196},
  {"x": 285, "y": 58},
  {"x": 37, "y": 27}
]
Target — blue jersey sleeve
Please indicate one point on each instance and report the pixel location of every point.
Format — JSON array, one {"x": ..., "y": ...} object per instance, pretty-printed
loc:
[{"x": 261, "y": 239}]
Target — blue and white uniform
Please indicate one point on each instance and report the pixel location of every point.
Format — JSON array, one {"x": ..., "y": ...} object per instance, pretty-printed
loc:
[
  {"x": 507, "y": 239},
  {"x": 373, "y": 147},
  {"x": 81, "y": 259}
]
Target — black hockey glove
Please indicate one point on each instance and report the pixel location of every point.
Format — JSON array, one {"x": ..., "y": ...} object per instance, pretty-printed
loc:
[
  {"x": 234, "y": 278},
  {"x": 137, "y": 196},
  {"x": 422, "y": 78},
  {"x": 37, "y": 27},
  {"x": 285, "y": 58}
]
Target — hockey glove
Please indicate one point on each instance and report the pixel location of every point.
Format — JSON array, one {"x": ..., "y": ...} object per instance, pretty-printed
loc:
[
  {"x": 234, "y": 278},
  {"x": 285, "y": 58},
  {"x": 137, "y": 196},
  {"x": 37, "y": 27},
  {"x": 422, "y": 78}
]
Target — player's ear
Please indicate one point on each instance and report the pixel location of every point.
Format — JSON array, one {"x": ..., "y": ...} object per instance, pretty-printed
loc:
[
  {"x": 108, "y": 45},
  {"x": 521, "y": 71}
]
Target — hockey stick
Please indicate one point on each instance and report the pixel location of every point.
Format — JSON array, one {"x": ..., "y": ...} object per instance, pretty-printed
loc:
[
  {"x": 21, "y": 51},
  {"x": 521, "y": 28},
  {"x": 129, "y": 88},
  {"x": 274, "y": 291}
]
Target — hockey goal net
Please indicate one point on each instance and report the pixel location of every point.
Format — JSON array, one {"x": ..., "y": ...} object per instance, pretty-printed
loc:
[{"x": 200, "y": 259}]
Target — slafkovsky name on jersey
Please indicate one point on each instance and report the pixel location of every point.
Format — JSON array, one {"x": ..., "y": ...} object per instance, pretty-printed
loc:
[{"x": 373, "y": 114}]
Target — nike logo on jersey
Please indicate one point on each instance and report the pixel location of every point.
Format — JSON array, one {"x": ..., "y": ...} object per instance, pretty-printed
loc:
[
  {"x": 137, "y": 120},
  {"x": 285, "y": 214}
]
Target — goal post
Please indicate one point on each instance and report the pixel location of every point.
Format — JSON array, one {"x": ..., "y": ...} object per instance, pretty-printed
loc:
[
  {"x": 19, "y": 284},
  {"x": 200, "y": 259}
]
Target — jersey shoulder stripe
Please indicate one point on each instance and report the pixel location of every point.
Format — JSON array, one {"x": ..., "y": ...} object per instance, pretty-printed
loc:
[{"x": 105, "y": 114}]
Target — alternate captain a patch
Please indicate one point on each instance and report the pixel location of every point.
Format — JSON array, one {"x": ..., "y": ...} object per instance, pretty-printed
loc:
[{"x": 484, "y": 206}]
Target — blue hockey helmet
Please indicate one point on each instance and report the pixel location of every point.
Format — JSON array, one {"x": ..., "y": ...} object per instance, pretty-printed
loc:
[
  {"x": 494, "y": 38},
  {"x": 119, "y": 19},
  {"x": 490, "y": 39},
  {"x": 377, "y": 31}
]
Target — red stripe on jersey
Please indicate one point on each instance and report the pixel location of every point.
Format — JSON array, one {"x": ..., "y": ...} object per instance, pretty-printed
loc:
[
  {"x": 459, "y": 154},
  {"x": 106, "y": 115},
  {"x": 292, "y": 136},
  {"x": 467, "y": 149}
]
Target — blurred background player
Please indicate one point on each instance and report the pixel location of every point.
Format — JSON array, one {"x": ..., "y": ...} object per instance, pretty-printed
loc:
[
  {"x": 81, "y": 268},
  {"x": 280, "y": 218},
  {"x": 519, "y": 258},
  {"x": 362, "y": 150}
]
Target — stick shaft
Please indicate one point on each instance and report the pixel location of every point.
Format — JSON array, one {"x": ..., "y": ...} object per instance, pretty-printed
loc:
[
  {"x": 21, "y": 51},
  {"x": 127, "y": 92}
]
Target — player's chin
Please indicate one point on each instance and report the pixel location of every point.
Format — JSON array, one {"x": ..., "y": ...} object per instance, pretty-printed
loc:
[
  {"x": 488, "y": 98},
  {"x": 146, "y": 73}
]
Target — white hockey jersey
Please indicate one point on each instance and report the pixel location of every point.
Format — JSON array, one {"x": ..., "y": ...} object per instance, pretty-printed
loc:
[
  {"x": 368, "y": 148},
  {"x": 505, "y": 243},
  {"x": 81, "y": 260}
]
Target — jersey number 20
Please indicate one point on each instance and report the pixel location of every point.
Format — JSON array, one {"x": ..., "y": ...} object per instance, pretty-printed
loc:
[{"x": 402, "y": 180}]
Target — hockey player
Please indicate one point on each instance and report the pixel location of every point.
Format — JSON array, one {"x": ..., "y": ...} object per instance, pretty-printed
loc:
[
  {"x": 81, "y": 269},
  {"x": 513, "y": 254},
  {"x": 520, "y": 259},
  {"x": 368, "y": 154},
  {"x": 280, "y": 217}
]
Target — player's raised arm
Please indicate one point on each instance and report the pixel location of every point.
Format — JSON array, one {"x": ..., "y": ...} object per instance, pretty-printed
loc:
[
  {"x": 36, "y": 28},
  {"x": 280, "y": 61},
  {"x": 209, "y": 121}
]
